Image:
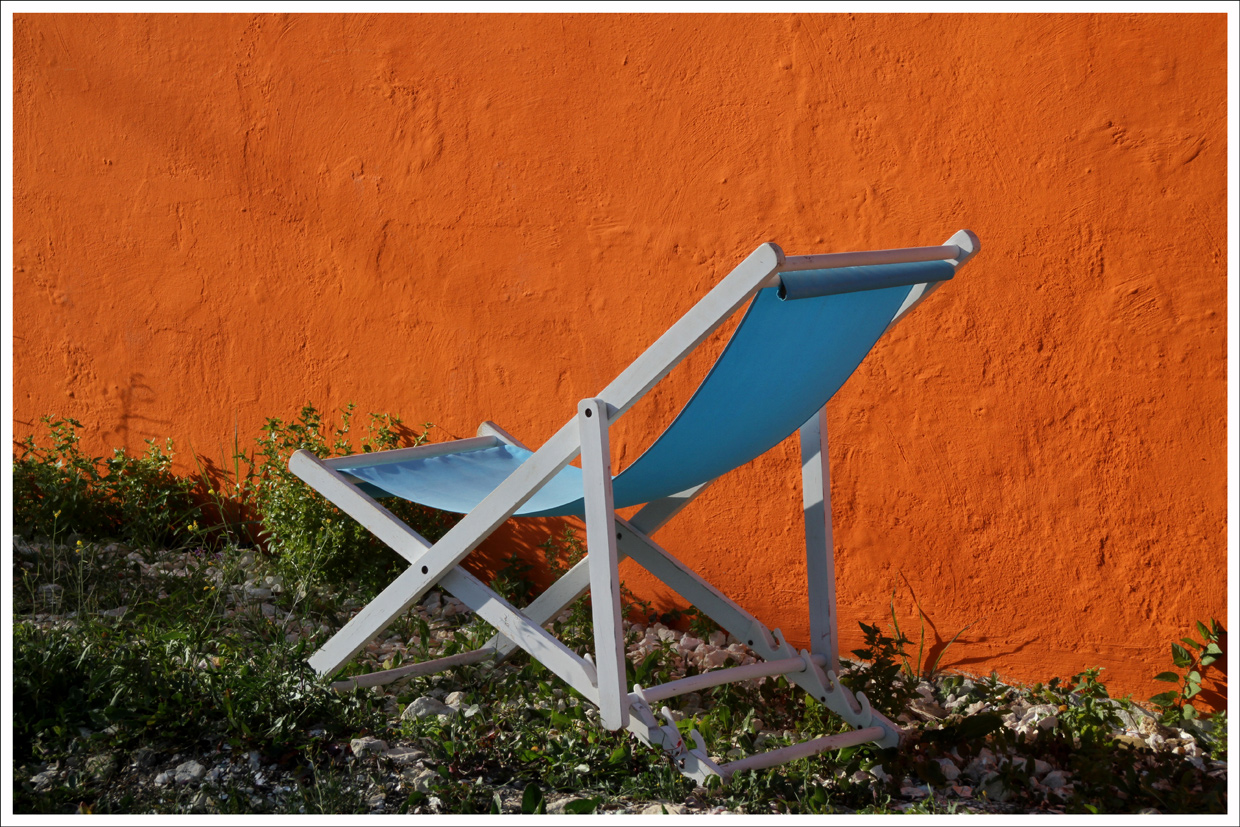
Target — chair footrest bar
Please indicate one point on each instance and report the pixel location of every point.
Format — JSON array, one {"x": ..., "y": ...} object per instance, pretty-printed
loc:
[
  {"x": 426, "y": 667},
  {"x": 762, "y": 669},
  {"x": 803, "y": 750}
]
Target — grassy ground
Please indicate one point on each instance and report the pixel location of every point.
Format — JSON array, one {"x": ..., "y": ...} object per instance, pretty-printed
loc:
[
  {"x": 130, "y": 664},
  {"x": 159, "y": 667}
]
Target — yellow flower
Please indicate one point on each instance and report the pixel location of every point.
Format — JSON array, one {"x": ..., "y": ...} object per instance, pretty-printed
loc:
[
  {"x": 79, "y": 543},
  {"x": 55, "y": 514}
]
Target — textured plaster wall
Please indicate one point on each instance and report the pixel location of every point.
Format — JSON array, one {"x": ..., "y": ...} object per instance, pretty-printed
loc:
[{"x": 219, "y": 218}]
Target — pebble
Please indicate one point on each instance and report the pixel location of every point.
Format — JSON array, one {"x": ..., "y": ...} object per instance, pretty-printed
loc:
[
  {"x": 992, "y": 787},
  {"x": 367, "y": 745},
  {"x": 101, "y": 767},
  {"x": 421, "y": 780},
  {"x": 404, "y": 756},
  {"x": 426, "y": 706},
  {"x": 1055, "y": 780},
  {"x": 189, "y": 771},
  {"x": 142, "y": 757},
  {"x": 984, "y": 763}
]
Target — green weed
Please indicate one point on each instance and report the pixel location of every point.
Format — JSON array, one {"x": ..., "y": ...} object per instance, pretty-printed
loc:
[
  {"x": 1176, "y": 706},
  {"x": 313, "y": 540},
  {"x": 59, "y": 490}
]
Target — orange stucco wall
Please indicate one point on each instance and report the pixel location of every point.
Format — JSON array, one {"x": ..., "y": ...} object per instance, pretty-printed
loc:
[{"x": 458, "y": 218}]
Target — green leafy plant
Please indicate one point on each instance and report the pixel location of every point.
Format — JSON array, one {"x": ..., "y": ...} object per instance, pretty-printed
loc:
[
  {"x": 170, "y": 668},
  {"x": 311, "y": 537},
  {"x": 563, "y": 552},
  {"x": 881, "y": 674},
  {"x": 513, "y": 581},
  {"x": 1194, "y": 658},
  {"x": 1087, "y": 713},
  {"x": 58, "y": 489}
]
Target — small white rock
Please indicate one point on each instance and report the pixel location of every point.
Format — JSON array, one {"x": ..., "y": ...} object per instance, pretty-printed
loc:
[
  {"x": 992, "y": 785},
  {"x": 404, "y": 756},
  {"x": 421, "y": 780},
  {"x": 367, "y": 745},
  {"x": 189, "y": 771},
  {"x": 1054, "y": 780},
  {"x": 424, "y": 707},
  {"x": 950, "y": 771}
]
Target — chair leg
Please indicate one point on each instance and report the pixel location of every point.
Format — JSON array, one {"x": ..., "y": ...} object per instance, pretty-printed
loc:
[
  {"x": 819, "y": 543},
  {"x": 603, "y": 561}
]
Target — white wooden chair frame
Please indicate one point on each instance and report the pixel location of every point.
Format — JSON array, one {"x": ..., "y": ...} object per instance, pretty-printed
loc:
[{"x": 610, "y": 538}]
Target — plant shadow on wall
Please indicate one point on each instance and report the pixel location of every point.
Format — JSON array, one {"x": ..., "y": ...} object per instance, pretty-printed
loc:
[
  {"x": 126, "y": 401},
  {"x": 927, "y": 661}
]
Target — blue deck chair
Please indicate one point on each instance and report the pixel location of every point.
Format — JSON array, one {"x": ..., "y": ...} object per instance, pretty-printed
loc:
[{"x": 811, "y": 321}]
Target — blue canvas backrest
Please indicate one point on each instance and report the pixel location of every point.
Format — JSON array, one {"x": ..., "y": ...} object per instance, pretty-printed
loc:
[
  {"x": 785, "y": 360},
  {"x": 787, "y": 357}
]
